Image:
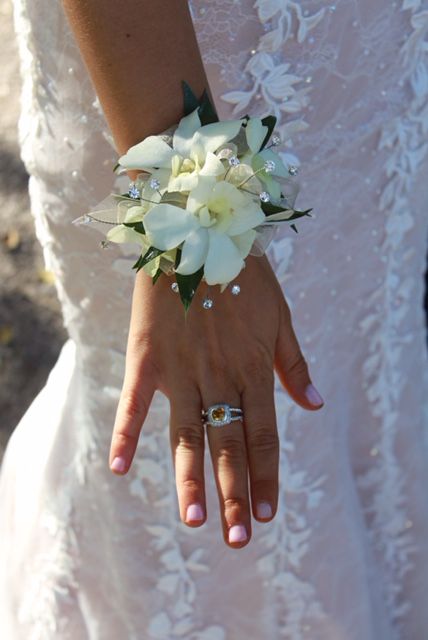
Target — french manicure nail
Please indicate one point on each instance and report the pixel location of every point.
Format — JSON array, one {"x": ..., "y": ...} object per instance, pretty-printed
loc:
[
  {"x": 237, "y": 533},
  {"x": 118, "y": 464},
  {"x": 194, "y": 512},
  {"x": 264, "y": 510},
  {"x": 313, "y": 396}
]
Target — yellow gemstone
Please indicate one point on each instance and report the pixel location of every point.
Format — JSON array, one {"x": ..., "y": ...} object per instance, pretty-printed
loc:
[{"x": 219, "y": 414}]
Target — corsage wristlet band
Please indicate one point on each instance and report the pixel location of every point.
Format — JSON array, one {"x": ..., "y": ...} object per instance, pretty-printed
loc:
[{"x": 208, "y": 195}]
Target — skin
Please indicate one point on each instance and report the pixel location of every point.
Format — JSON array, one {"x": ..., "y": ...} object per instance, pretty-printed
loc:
[{"x": 226, "y": 354}]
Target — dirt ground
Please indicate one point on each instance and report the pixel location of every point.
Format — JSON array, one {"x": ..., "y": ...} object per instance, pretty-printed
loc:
[{"x": 31, "y": 330}]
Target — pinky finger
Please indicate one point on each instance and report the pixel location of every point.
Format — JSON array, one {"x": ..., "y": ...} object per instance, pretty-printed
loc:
[{"x": 132, "y": 410}]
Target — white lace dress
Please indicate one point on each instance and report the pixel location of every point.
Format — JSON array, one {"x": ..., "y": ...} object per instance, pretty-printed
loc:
[{"x": 86, "y": 555}]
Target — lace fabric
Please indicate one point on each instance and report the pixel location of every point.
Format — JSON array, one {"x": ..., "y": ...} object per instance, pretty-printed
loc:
[{"x": 87, "y": 555}]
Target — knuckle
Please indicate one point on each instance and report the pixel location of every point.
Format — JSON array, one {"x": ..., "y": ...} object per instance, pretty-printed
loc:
[
  {"x": 232, "y": 449},
  {"x": 297, "y": 364},
  {"x": 190, "y": 436},
  {"x": 132, "y": 404},
  {"x": 235, "y": 503},
  {"x": 263, "y": 440},
  {"x": 192, "y": 484}
]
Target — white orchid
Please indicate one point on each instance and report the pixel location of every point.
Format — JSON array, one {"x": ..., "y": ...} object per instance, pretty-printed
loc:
[
  {"x": 192, "y": 153},
  {"x": 216, "y": 229}
]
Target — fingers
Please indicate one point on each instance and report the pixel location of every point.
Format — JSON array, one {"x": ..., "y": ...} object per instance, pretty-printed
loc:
[
  {"x": 291, "y": 366},
  {"x": 229, "y": 459},
  {"x": 262, "y": 445},
  {"x": 137, "y": 393},
  {"x": 187, "y": 437}
]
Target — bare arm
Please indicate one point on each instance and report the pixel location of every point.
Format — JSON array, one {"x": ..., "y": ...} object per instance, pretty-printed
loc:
[{"x": 137, "y": 53}]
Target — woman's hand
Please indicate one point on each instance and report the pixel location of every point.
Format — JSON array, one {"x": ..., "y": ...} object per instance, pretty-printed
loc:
[{"x": 226, "y": 354}]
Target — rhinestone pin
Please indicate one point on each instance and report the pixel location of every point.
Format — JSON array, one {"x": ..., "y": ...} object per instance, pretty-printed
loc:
[
  {"x": 270, "y": 166},
  {"x": 292, "y": 170},
  {"x": 133, "y": 191},
  {"x": 207, "y": 303},
  {"x": 154, "y": 183},
  {"x": 264, "y": 196},
  {"x": 276, "y": 140},
  {"x": 174, "y": 287},
  {"x": 236, "y": 289},
  {"x": 234, "y": 161}
]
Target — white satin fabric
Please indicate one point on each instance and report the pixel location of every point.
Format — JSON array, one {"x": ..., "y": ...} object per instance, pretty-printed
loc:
[{"x": 86, "y": 555}]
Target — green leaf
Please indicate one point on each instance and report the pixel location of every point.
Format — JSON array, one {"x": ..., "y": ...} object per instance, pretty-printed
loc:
[
  {"x": 207, "y": 113},
  {"x": 190, "y": 100},
  {"x": 137, "y": 226},
  {"x": 269, "y": 122},
  {"x": 300, "y": 214},
  {"x": 156, "y": 276},
  {"x": 150, "y": 254},
  {"x": 268, "y": 208},
  {"x": 187, "y": 286}
]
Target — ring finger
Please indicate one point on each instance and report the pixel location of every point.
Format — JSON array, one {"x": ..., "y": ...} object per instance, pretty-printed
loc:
[{"x": 229, "y": 458}]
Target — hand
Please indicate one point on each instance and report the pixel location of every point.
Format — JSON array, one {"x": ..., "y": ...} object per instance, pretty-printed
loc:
[{"x": 224, "y": 354}]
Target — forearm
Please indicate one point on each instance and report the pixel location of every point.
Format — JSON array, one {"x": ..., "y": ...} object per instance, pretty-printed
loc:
[{"x": 137, "y": 53}]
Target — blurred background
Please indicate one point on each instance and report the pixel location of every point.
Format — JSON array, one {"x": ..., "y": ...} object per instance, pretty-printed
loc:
[{"x": 31, "y": 330}]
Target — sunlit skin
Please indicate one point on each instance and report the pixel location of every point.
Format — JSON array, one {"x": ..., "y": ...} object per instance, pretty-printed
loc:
[{"x": 225, "y": 354}]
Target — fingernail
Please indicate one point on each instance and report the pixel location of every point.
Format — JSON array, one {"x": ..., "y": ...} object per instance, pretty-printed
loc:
[
  {"x": 264, "y": 510},
  {"x": 194, "y": 512},
  {"x": 313, "y": 396},
  {"x": 118, "y": 464},
  {"x": 237, "y": 533}
]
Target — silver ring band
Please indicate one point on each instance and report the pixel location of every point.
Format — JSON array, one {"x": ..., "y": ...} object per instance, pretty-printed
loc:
[{"x": 219, "y": 415}]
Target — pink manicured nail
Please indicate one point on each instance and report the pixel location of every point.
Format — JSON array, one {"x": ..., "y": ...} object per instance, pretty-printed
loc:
[
  {"x": 118, "y": 464},
  {"x": 313, "y": 396},
  {"x": 194, "y": 512},
  {"x": 237, "y": 533},
  {"x": 264, "y": 510}
]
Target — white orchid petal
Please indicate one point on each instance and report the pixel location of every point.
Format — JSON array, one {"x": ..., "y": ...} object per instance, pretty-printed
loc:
[
  {"x": 167, "y": 226},
  {"x": 211, "y": 136},
  {"x": 245, "y": 218},
  {"x": 200, "y": 195},
  {"x": 151, "y": 152},
  {"x": 183, "y": 134},
  {"x": 126, "y": 234},
  {"x": 194, "y": 252},
  {"x": 244, "y": 242},
  {"x": 183, "y": 182},
  {"x": 213, "y": 166},
  {"x": 223, "y": 261},
  {"x": 256, "y": 133}
]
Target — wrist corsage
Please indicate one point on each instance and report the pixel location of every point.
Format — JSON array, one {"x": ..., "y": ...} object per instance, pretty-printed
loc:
[{"x": 208, "y": 195}]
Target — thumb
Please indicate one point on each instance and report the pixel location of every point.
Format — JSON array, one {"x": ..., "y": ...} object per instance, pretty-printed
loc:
[{"x": 292, "y": 367}]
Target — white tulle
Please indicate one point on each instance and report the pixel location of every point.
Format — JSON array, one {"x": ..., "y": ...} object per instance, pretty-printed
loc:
[{"x": 87, "y": 555}]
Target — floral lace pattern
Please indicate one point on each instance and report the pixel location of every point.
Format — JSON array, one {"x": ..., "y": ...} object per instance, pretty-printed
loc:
[{"x": 100, "y": 557}]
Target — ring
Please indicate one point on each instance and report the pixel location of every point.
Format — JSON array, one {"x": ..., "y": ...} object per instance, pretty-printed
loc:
[{"x": 218, "y": 415}]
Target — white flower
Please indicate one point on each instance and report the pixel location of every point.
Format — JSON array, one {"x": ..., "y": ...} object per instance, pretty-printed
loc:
[
  {"x": 216, "y": 229},
  {"x": 191, "y": 154}
]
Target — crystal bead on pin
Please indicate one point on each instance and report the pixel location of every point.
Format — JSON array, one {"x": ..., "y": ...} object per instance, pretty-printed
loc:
[
  {"x": 207, "y": 303},
  {"x": 292, "y": 170},
  {"x": 174, "y": 287},
  {"x": 133, "y": 191},
  {"x": 236, "y": 289},
  {"x": 276, "y": 140},
  {"x": 154, "y": 183},
  {"x": 269, "y": 166},
  {"x": 234, "y": 161},
  {"x": 264, "y": 196}
]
